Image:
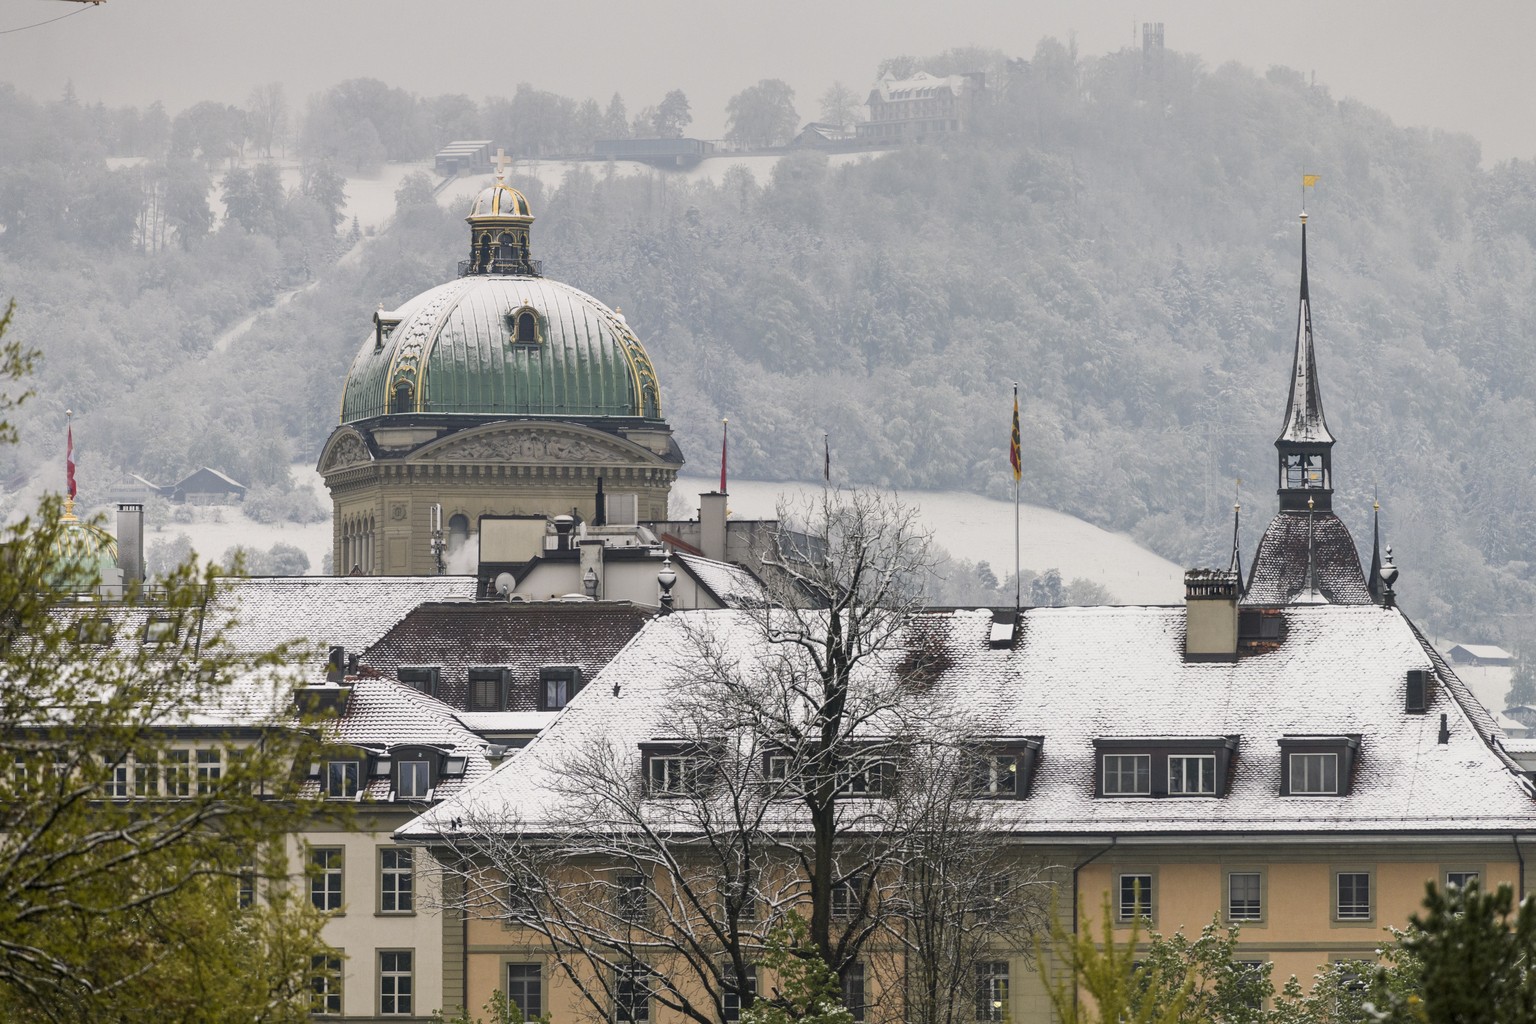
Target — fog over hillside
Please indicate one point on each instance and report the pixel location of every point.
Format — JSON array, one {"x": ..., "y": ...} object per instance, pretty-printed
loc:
[{"x": 1119, "y": 236}]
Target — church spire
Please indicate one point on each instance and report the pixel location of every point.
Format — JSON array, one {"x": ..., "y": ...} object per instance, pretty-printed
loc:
[
  {"x": 1304, "y": 444},
  {"x": 1374, "y": 582}
]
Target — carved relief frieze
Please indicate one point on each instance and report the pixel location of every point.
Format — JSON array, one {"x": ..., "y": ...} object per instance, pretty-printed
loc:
[
  {"x": 535, "y": 446},
  {"x": 349, "y": 450}
]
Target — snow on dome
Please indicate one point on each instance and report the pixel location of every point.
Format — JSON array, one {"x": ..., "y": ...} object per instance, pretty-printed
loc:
[{"x": 498, "y": 201}]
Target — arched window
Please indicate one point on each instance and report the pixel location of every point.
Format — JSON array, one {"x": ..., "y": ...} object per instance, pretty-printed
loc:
[
  {"x": 527, "y": 329},
  {"x": 404, "y": 396},
  {"x": 458, "y": 532}
]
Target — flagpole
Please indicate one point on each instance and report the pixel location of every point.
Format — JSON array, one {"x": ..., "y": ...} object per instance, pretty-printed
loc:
[
  {"x": 69, "y": 463},
  {"x": 1018, "y": 583}
]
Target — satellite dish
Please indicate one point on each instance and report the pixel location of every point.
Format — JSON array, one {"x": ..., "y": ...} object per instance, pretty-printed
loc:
[{"x": 505, "y": 584}]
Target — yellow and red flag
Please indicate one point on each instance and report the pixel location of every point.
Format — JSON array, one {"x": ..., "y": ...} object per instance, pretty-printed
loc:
[{"x": 1013, "y": 444}]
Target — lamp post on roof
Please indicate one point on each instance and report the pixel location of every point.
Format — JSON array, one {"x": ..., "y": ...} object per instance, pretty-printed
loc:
[{"x": 666, "y": 578}]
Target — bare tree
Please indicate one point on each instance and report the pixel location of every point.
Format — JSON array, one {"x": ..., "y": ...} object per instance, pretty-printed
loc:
[
  {"x": 268, "y": 110},
  {"x": 840, "y": 105},
  {"x": 794, "y": 763}
]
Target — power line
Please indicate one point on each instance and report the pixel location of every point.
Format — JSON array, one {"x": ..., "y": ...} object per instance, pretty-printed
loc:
[{"x": 79, "y": 10}]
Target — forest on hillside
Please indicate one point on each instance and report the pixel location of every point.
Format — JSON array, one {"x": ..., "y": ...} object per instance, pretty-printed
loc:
[{"x": 1118, "y": 235}]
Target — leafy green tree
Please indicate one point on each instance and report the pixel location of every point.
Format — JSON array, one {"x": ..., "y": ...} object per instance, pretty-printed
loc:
[
  {"x": 498, "y": 1010},
  {"x": 762, "y": 115},
  {"x": 1097, "y": 980},
  {"x": 1206, "y": 973},
  {"x": 137, "y": 882},
  {"x": 808, "y": 991}
]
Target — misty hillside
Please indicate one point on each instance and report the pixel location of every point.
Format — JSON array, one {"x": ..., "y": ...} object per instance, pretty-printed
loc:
[{"x": 1120, "y": 238}]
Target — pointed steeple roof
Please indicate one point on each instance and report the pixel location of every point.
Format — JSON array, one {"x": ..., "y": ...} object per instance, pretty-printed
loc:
[
  {"x": 1374, "y": 582},
  {"x": 1304, "y": 423}
]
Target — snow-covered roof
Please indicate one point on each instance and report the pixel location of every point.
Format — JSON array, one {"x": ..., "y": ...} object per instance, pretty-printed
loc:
[
  {"x": 1077, "y": 675},
  {"x": 732, "y": 586},
  {"x": 257, "y": 614},
  {"x": 381, "y": 714},
  {"x": 1483, "y": 652}
]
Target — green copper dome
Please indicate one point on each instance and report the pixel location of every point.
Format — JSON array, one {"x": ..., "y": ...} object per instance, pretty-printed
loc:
[
  {"x": 503, "y": 346},
  {"x": 82, "y": 554}
]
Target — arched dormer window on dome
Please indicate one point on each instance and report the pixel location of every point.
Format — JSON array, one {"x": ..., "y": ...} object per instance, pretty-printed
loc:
[
  {"x": 525, "y": 326},
  {"x": 405, "y": 397}
]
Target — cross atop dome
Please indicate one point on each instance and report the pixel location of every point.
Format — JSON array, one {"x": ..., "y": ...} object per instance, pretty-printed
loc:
[{"x": 502, "y": 162}]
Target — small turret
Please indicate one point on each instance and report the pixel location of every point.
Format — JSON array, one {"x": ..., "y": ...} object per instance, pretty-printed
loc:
[{"x": 499, "y": 222}]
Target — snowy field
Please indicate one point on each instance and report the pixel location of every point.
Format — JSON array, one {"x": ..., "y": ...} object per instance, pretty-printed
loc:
[
  {"x": 967, "y": 526},
  {"x": 975, "y": 528}
]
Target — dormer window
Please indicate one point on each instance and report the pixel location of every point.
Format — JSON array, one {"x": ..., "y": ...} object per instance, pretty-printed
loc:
[
  {"x": 341, "y": 779},
  {"x": 1196, "y": 766},
  {"x": 525, "y": 327},
  {"x": 413, "y": 780},
  {"x": 868, "y": 775},
  {"x": 1005, "y": 768},
  {"x": 676, "y": 769},
  {"x": 557, "y": 685},
  {"x": 422, "y": 678},
  {"x": 1317, "y": 765},
  {"x": 488, "y": 688},
  {"x": 95, "y": 631}
]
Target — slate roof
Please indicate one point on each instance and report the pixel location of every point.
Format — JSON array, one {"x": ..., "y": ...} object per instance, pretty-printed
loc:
[
  {"x": 382, "y": 714},
  {"x": 351, "y": 611},
  {"x": 731, "y": 585},
  {"x": 1078, "y": 674},
  {"x": 1279, "y": 570},
  {"x": 522, "y": 637}
]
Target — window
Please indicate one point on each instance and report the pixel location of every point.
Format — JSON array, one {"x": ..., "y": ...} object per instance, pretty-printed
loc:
[
  {"x": 414, "y": 780},
  {"x": 1245, "y": 896},
  {"x": 209, "y": 769},
  {"x": 676, "y": 774},
  {"x": 1417, "y": 697},
  {"x": 630, "y": 895},
  {"x": 1354, "y": 895},
  {"x": 325, "y": 984},
  {"x": 395, "y": 881},
  {"x": 1252, "y": 982},
  {"x": 847, "y": 896},
  {"x": 780, "y": 771},
  {"x": 557, "y": 685},
  {"x": 1462, "y": 879},
  {"x": 146, "y": 778},
  {"x": 868, "y": 776},
  {"x": 396, "y": 991},
  {"x": 487, "y": 689},
  {"x": 159, "y": 631},
  {"x": 1127, "y": 774},
  {"x": 852, "y": 980},
  {"x": 116, "y": 787},
  {"x": 992, "y": 990},
  {"x": 632, "y": 995},
  {"x": 423, "y": 678},
  {"x": 997, "y": 775},
  {"x": 245, "y": 889},
  {"x": 341, "y": 779},
  {"x": 178, "y": 773},
  {"x": 1135, "y": 897},
  {"x": 1314, "y": 774},
  {"x": 1317, "y": 765},
  {"x": 94, "y": 631},
  {"x": 730, "y": 999},
  {"x": 993, "y": 897},
  {"x": 325, "y": 878},
  {"x": 1191, "y": 775},
  {"x": 525, "y": 987}
]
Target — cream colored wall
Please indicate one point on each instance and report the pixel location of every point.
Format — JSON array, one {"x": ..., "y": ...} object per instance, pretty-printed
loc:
[
  {"x": 1299, "y": 932},
  {"x": 402, "y": 508},
  {"x": 360, "y": 930}
]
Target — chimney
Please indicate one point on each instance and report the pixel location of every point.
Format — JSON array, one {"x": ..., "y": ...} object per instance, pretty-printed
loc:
[
  {"x": 130, "y": 545},
  {"x": 1210, "y": 615},
  {"x": 563, "y": 527},
  {"x": 712, "y": 525}
]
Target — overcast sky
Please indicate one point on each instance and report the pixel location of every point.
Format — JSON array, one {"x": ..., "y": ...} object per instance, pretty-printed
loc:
[{"x": 1464, "y": 66}]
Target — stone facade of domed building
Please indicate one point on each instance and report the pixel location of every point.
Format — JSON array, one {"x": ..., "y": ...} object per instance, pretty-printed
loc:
[{"x": 501, "y": 393}]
